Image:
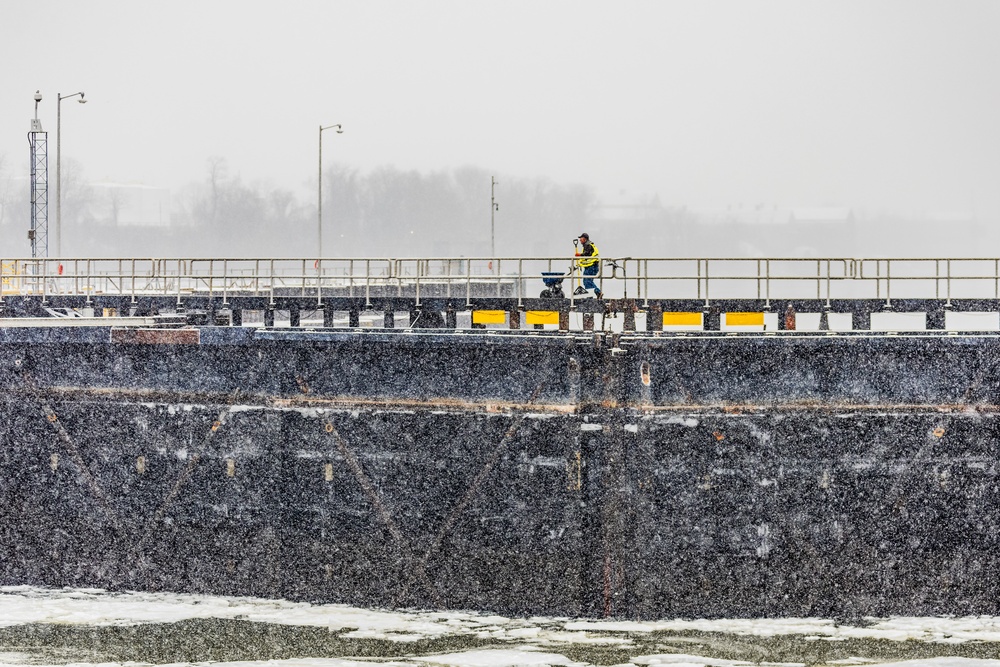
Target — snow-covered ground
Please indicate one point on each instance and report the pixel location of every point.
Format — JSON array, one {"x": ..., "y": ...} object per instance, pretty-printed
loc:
[{"x": 84, "y": 626}]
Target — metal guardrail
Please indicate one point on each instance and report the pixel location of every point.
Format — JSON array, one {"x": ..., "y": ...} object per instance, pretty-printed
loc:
[{"x": 702, "y": 279}]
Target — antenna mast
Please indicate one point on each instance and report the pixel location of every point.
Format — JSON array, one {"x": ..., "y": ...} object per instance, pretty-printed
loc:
[{"x": 38, "y": 139}]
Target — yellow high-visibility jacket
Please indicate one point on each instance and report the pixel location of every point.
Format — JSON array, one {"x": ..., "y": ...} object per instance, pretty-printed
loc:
[{"x": 588, "y": 256}]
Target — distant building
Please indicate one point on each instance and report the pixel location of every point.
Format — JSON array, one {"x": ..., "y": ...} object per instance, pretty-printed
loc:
[
  {"x": 828, "y": 215},
  {"x": 626, "y": 207},
  {"x": 826, "y": 231},
  {"x": 130, "y": 205}
]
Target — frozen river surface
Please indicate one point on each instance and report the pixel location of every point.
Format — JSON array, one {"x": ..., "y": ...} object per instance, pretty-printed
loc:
[{"x": 85, "y": 627}]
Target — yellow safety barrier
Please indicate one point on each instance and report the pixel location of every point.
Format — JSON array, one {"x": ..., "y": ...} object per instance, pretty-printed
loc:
[
  {"x": 489, "y": 316},
  {"x": 682, "y": 319},
  {"x": 744, "y": 319},
  {"x": 542, "y": 317},
  {"x": 11, "y": 279}
]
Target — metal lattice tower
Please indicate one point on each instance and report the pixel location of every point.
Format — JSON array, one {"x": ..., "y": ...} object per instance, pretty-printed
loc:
[
  {"x": 38, "y": 138},
  {"x": 39, "y": 231}
]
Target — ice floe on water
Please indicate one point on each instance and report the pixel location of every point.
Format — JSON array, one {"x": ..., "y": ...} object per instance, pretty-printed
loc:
[{"x": 85, "y": 627}]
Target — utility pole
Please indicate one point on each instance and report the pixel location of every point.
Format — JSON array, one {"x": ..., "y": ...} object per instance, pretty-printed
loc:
[{"x": 494, "y": 207}]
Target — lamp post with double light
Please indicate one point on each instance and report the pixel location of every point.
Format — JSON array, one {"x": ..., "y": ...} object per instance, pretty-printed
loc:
[
  {"x": 59, "y": 167},
  {"x": 319, "y": 206}
]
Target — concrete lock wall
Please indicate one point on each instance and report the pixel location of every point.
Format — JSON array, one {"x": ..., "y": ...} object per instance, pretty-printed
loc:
[{"x": 572, "y": 475}]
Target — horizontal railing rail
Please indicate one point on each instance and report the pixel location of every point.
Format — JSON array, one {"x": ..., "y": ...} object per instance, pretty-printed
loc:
[{"x": 643, "y": 279}]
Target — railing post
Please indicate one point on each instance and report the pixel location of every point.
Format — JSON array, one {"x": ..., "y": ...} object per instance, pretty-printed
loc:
[
  {"x": 416, "y": 286},
  {"x": 270, "y": 281},
  {"x": 888, "y": 283},
  {"x": 211, "y": 279},
  {"x": 828, "y": 286},
  {"x": 468, "y": 283},
  {"x": 819, "y": 279},
  {"x": 350, "y": 278},
  {"x": 767, "y": 282},
  {"x": 447, "y": 280},
  {"x": 707, "y": 286},
  {"x": 758, "y": 278},
  {"x": 948, "y": 281},
  {"x": 520, "y": 285},
  {"x": 937, "y": 278}
]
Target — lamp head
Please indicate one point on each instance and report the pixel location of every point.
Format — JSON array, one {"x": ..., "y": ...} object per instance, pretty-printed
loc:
[
  {"x": 81, "y": 100},
  {"x": 38, "y": 96}
]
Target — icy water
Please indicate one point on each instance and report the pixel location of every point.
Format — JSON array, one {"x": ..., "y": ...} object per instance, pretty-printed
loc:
[{"x": 82, "y": 627}]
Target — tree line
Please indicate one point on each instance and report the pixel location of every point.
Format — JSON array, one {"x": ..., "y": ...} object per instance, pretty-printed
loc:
[
  {"x": 392, "y": 212},
  {"x": 384, "y": 212}
]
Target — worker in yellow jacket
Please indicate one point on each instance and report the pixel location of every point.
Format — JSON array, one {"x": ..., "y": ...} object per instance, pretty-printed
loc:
[{"x": 590, "y": 263}]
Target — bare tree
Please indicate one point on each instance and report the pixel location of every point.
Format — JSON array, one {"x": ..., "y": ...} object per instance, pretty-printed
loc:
[
  {"x": 4, "y": 188},
  {"x": 116, "y": 199},
  {"x": 218, "y": 168}
]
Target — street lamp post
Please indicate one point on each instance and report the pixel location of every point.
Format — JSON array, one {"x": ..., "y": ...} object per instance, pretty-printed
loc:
[
  {"x": 59, "y": 167},
  {"x": 319, "y": 206}
]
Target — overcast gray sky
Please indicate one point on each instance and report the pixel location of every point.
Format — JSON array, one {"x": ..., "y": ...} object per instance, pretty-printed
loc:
[{"x": 891, "y": 104}]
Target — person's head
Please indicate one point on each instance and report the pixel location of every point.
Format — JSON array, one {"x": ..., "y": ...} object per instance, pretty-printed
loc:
[{"x": 585, "y": 238}]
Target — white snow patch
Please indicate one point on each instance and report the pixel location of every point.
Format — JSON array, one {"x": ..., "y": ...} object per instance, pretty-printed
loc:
[
  {"x": 924, "y": 628},
  {"x": 949, "y": 661},
  {"x": 690, "y": 422},
  {"x": 498, "y": 658},
  {"x": 547, "y": 461},
  {"x": 683, "y": 660},
  {"x": 26, "y": 604},
  {"x": 591, "y": 427}
]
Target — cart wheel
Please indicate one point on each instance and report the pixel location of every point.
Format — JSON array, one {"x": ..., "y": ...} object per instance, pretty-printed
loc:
[
  {"x": 557, "y": 293},
  {"x": 546, "y": 294}
]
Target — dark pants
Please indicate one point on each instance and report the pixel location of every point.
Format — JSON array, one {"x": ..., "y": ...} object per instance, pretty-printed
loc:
[{"x": 588, "y": 283}]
